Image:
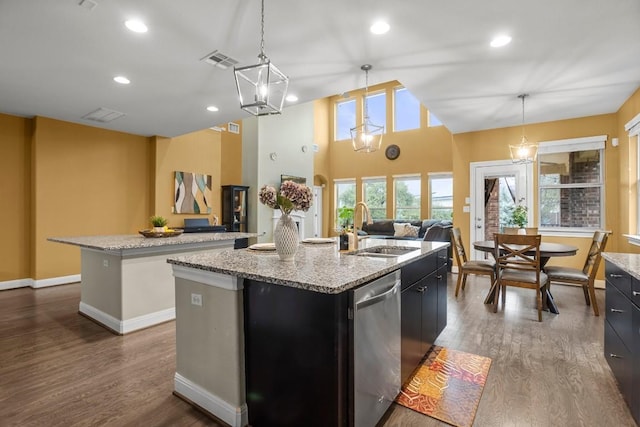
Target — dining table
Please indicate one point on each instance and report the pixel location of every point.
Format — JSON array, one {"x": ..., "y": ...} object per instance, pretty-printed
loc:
[{"x": 547, "y": 250}]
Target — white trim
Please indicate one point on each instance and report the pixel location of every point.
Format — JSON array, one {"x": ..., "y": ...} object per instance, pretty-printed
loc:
[
  {"x": 374, "y": 178},
  {"x": 343, "y": 180},
  {"x": 53, "y": 281},
  {"x": 230, "y": 414},
  {"x": 210, "y": 278},
  {"x": 567, "y": 232},
  {"x": 407, "y": 175},
  {"x": 633, "y": 239},
  {"x": 572, "y": 144},
  {"x": 125, "y": 326},
  {"x": 632, "y": 126},
  {"x": 436, "y": 174},
  {"x": 14, "y": 284}
]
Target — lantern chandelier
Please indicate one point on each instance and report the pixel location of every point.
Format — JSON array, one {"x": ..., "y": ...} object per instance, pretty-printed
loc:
[
  {"x": 262, "y": 87},
  {"x": 366, "y": 137},
  {"x": 525, "y": 152}
]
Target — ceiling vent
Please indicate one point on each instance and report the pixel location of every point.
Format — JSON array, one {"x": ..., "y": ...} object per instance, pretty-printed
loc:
[
  {"x": 220, "y": 60},
  {"x": 103, "y": 115}
]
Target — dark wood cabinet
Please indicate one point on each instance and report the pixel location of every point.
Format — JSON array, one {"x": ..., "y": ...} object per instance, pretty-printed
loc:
[
  {"x": 234, "y": 207},
  {"x": 622, "y": 333},
  {"x": 424, "y": 308}
]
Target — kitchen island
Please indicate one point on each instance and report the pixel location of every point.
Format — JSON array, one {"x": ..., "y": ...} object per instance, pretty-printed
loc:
[
  {"x": 267, "y": 342},
  {"x": 126, "y": 283}
]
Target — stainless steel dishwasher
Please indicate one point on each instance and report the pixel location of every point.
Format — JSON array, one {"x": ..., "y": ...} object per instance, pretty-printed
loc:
[{"x": 376, "y": 348}]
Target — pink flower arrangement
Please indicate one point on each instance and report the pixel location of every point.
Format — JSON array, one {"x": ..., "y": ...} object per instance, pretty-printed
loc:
[{"x": 290, "y": 197}]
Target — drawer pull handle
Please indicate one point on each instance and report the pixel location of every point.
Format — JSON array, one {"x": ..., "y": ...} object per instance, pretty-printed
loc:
[
  {"x": 421, "y": 289},
  {"x": 615, "y": 310},
  {"x": 636, "y": 293},
  {"x": 615, "y": 276},
  {"x": 439, "y": 277},
  {"x": 615, "y": 356}
]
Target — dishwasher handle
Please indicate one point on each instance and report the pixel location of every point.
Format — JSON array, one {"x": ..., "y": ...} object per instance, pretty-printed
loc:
[{"x": 377, "y": 298}]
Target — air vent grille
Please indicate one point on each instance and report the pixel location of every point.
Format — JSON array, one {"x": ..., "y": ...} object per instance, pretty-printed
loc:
[
  {"x": 219, "y": 59},
  {"x": 103, "y": 115}
]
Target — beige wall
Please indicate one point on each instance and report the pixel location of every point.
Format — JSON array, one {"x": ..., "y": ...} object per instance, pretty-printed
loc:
[{"x": 197, "y": 152}]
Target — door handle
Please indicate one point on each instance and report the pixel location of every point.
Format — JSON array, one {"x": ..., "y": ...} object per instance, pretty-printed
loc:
[
  {"x": 478, "y": 226},
  {"x": 636, "y": 293},
  {"x": 615, "y": 356},
  {"x": 615, "y": 276},
  {"x": 615, "y": 310}
]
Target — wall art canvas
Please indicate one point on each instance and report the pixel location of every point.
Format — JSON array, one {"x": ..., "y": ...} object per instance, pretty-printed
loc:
[{"x": 192, "y": 193}]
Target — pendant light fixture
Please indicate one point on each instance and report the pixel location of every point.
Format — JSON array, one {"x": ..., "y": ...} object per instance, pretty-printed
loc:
[
  {"x": 366, "y": 137},
  {"x": 262, "y": 87},
  {"x": 525, "y": 152}
]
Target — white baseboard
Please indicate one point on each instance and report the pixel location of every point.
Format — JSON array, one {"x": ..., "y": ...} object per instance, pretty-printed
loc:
[
  {"x": 234, "y": 416},
  {"x": 13, "y": 284},
  {"x": 54, "y": 281},
  {"x": 40, "y": 283},
  {"x": 125, "y": 326}
]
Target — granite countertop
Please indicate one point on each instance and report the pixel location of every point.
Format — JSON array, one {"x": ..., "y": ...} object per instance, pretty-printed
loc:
[
  {"x": 137, "y": 241},
  {"x": 317, "y": 267},
  {"x": 628, "y": 262}
]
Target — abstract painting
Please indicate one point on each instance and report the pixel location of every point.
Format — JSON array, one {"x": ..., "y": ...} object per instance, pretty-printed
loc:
[{"x": 192, "y": 193}]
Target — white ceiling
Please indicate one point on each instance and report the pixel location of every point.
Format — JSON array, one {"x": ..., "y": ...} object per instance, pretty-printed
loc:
[{"x": 575, "y": 58}]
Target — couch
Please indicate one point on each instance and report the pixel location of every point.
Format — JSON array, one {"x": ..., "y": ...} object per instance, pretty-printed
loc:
[{"x": 433, "y": 230}]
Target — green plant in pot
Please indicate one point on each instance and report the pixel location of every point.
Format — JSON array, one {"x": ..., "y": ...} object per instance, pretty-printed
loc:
[
  {"x": 519, "y": 216},
  {"x": 159, "y": 223},
  {"x": 345, "y": 218}
]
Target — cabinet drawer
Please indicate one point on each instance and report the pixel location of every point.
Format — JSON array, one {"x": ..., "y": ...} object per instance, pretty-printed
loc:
[
  {"x": 618, "y": 278},
  {"x": 635, "y": 291},
  {"x": 635, "y": 340},
  {"x": 410, "y": 274},
  {"x": 620, "y": 314},
  {"x": 443, "y": 258},
  {"x": 619, "y": 359}
]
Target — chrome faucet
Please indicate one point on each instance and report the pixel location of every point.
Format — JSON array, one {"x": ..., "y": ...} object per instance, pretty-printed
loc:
[{"x": 355, "y": 222}]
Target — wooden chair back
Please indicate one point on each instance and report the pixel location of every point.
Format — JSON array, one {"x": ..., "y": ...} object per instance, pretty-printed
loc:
[
  {"x": 458, "y": 247},
  {"x": 598, "y": 243},
  {"x": 511, "y": 252}
]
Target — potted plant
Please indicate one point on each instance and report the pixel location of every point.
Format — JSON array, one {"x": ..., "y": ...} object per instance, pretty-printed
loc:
[
  {"x": 345, "y": 218},
  {"x": 519, "y": 216},
  {"x": 159, "y": 223}
]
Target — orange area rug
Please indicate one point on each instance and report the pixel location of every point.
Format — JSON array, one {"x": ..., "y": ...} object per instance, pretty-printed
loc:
[{"x": 447, "y": 386}]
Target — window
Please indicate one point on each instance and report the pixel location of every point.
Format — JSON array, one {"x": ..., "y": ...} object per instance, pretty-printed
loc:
[
  {"x": 441, "y": 196},
  {"x": 345, "y": 193},
  {"x": 345, "y": 119},
  {"x": 377, "y": 108},
  {"x": 407, "y": 197},
  {"x": 571, "y": 184},
  {"x": 406, "y": 110},
  {"x": 375, "y": 196},
  {"x": 433, "y": 120}
]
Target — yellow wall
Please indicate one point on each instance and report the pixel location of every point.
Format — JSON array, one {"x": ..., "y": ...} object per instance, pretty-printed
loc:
[
  {"x": 494, "y": 145},
  {"x": 15, "y": 135},
  {"x": 422, "y": 151},
  {"x": 86, "y": 181},
  {"x": 231, "y": 157},
  {"x": 197, "y": 152}
]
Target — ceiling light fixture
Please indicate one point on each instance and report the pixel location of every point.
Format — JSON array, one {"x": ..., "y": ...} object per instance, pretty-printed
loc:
[
  {"x": 136, "y": 26},
  {"x": 212, "y": 108},
  {"x": 291, "y": 98},
  {"x": 525, "y": 152},
  {"x": 122, "y": 80},
  {"x": 262, "y": 88},
  {"x": 367, "y": 137},
  {"x": 379, "y": 27},
  {"x": 501, "y": 40}
]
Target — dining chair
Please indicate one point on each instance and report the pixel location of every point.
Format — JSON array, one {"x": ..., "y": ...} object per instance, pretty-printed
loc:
[
  {"x": 585, "y": 277},
  {"x": 518, "y": 261},
  {"x": 514, "y": 230},
  {"x": 466, "y": 267}
]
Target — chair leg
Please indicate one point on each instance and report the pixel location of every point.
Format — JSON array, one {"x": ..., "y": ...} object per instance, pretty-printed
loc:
[
  {"x": 539, "y": 301},
  {"x": 544, "y": 295},
  {"x": 594, "y": 303},
  {"x": 460, "y": 276},
  {"x": 504, "y": 293},
  {"x": 496, "y": 297},
  {"x": 585, "y": 289},
  {"x": 464, "y": 282}
]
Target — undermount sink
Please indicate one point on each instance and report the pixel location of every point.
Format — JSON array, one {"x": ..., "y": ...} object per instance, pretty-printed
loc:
[{"x": 383, "y": 251}]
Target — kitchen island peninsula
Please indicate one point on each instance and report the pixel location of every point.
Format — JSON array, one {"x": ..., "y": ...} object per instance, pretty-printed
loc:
[
  {"x": 265, "y": 342},
  {"x": 126, "y": 283}
]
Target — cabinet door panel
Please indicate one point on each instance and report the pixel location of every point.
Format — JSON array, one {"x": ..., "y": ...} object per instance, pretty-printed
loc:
[
  {"x": 619, "y": 314},
  {"x": 429, "y": 312},
  {"x": 442, "y": 298},
  {"x": 411, "y": 329},
  {"x": 619, "y": 359},
  {"x": 619, "y": 278}
]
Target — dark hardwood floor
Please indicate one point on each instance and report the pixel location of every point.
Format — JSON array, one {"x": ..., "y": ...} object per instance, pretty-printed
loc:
[{"x": 59, "y": 369}]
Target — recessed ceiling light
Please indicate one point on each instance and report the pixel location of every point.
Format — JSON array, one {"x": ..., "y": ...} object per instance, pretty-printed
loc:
[
  {"x": 212, "y": 108},
  {"x": 136, "y": 26},
  {"x": 122, "y": 80},
  {"x": 291, "y": 98},
  {"x": 501, "y": 40},
  {"x": 379, "y": 27}
]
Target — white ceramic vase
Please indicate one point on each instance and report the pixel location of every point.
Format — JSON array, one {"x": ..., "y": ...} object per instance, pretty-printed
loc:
[
  {"x": 285, "y": 238},
  {"x": 522, "y": 231}
]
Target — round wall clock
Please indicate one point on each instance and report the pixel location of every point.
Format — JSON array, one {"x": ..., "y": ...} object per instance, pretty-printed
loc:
[{"x": 392, "y": 152}]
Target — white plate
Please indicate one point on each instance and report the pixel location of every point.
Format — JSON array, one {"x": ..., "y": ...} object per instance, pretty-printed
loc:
[
  {"x": 319, "y": 240},
  {"x": 263, "y": 247}
]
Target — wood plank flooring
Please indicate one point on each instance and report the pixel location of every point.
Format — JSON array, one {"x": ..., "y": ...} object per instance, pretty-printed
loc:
[{"x": 58, "y": 368}]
